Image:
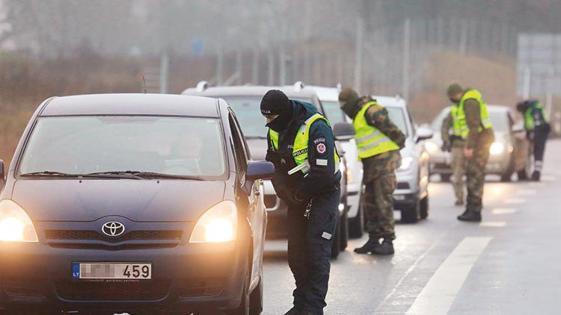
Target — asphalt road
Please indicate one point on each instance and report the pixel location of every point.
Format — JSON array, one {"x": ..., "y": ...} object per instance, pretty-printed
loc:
[{"x": 508, "y": 264}]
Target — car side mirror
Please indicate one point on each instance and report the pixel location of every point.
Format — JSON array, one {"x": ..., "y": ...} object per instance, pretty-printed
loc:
[
  {"x": 343, "y": 131},
  {"x": 259, "y": 170},
  {"x": 423, "y": 133}
]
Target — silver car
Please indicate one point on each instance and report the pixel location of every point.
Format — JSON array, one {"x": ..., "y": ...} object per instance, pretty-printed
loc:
[{"x": 501, "y": 156}]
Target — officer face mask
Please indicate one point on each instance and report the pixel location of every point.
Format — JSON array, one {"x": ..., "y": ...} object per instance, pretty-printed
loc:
[
  {"x": 278, "y": 122},
  {"x": 349, "y": 108}
]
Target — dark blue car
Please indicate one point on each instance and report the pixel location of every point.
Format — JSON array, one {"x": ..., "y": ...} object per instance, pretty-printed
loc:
[{"x": 132, "y": 203}]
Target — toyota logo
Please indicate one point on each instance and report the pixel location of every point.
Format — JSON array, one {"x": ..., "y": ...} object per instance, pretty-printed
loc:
[{"x": 113, "y": 228}]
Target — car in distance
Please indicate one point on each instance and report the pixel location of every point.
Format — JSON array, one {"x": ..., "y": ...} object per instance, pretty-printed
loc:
[
  {"x": 501, "y": 153},
  {"x": 411, "y": 196},
  {"x": 126, "y": 202},
  {"x": 245, "y": 101}
]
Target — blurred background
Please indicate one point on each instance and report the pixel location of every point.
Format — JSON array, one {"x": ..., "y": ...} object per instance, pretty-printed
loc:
[{"x": 509, "y": 49}]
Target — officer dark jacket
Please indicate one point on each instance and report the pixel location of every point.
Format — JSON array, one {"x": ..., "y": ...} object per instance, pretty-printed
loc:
[{"x": 323, "y": 175}]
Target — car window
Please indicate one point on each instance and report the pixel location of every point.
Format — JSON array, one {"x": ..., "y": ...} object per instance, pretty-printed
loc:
[
  {"x": 398, "y": 117},
  {"x": 249, "y": 115},
  {"x": 333, "y": 112},
  {"x": 86, "y": 144},
  {"x": 500, "y": 121},
  {"x": 239, "y": 145}
]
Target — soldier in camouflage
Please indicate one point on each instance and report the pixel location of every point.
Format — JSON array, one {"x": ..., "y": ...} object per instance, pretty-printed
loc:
[
  {"x": 477, "y": 130},
  {"x": 455, "y": 144},
  {"x": 379, "y": 141}
]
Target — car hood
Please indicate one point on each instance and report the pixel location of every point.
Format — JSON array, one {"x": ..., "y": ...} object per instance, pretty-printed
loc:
[
  {"x": 137, "y": 200},
  {"x": 257, "y": 148}
]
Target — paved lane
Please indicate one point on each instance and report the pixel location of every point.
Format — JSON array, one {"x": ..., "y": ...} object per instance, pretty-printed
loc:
[{"x": 509, "y": 264}]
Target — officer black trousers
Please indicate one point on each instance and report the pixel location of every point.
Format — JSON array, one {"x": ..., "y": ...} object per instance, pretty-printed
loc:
[
  {"x": 540, "y": 137},
  {"x": 309, "y": 249}
]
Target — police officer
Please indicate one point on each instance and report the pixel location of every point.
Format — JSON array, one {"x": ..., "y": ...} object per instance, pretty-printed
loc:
[
  {"x": 378, "y": 141},
  {"x": 474, "y": 126},
  {"x": 537, "y": 130},
  {"x": 455, "y": 143},
  {"x": 302, "y": 148}
]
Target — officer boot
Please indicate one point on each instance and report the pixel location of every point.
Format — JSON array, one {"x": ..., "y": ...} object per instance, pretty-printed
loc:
[
  {"x": 372, "y": 243},
  {"x": 536, "y": 176},
  {"x": 293, "y": 311},
  {"x": 470, "y": 216},
  {"x": 386, "y": 248}
]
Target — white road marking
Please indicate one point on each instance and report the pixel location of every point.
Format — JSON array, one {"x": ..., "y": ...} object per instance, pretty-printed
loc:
[
  {"x": 527, "y": 192},
  {"x": 503, "y": 211},
  {"x": 441, "y": 290},
  {"x": 515, "y": 201},
  {"x": 493, "y": 224}
]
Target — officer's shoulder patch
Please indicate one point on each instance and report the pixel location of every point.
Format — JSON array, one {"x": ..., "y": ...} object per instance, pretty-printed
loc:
[{"x": 321, "y": 148}]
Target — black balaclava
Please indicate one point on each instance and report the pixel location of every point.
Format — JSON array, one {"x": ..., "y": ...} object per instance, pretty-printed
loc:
[
  {"x": 275, "y": 102},
  {"x": 349, "y": 102}
]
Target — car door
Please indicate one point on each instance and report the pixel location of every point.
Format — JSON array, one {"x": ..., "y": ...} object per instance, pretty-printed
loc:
[{"x": 256, "y": 213}]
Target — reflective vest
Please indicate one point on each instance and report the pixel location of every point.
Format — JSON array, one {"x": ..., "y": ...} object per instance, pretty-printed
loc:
[
  {"x": 300, "y": 145},
  {"x": 463, "y": 129},
  {"x": 456, "y": 127},
  {"x": 529, "y": 121},
  {"x": 369, "y": 140}
]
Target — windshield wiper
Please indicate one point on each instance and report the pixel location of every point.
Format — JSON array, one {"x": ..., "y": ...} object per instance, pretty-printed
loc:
[
  {"x": 69, "y": 175},
  {"x": 49, "y": 173},
  {"x": 143, "y": 175}
]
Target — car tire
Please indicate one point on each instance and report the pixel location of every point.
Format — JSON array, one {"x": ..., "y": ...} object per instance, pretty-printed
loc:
[
  {"x": 336, "y": 242},
  {"x": 505, "y": 178},
  {"x": 411, "y": 214},
  {"x": 356, "y": 224},
  {"x": 344, "y": 238},
  {"x": 445, "y": 178},
  {"x": 256, "y": 299},
  {"x": 424, "y": 210}
]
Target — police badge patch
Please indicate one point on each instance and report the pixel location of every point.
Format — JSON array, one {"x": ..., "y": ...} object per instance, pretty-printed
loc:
[{"x": 320, "y": 147}]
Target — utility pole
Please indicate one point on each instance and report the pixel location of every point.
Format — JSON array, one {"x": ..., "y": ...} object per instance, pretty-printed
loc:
[
  {"x": 405, "y": 60},
  {"x": 164, "y": 72},
  {"x": 526, "y": 84},
  {"x": 219, "y": 65}
]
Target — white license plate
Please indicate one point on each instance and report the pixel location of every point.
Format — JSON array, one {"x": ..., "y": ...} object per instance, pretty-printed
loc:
[{"x": 112, "y": 271}]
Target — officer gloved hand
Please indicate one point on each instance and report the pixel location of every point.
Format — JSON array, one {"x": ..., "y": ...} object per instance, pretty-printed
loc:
[{"x": 273, "y": 157}]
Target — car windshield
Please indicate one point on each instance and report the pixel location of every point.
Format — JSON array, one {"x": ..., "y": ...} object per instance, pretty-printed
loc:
[
  {"x": 499, "y": 119},
  {"x": 397, "y": 116},
  {"x": 182, "y": 146},
  {"x": 333, "y": 112}
]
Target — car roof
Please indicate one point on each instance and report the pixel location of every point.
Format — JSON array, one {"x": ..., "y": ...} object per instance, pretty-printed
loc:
[
  {"x": 324, "y": 93},
  {"x": 251, "y": 90},
  {"x": 394, "y": 101},
  {"x": 131, "y": 104}
]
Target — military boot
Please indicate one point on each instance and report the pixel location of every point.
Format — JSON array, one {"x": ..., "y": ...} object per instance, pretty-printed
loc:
[
  {"x": 369, "y": 246},
  {"x": 386, "y": 248},
  {"x": 522, "y": 176},
  {"x": 536, "y": 176},
  {"x": 470, "y": 216}
]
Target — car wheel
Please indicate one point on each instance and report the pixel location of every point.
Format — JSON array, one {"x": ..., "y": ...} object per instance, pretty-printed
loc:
[
  {"x": 336, "y": 242},
  {"x": 344, "y": 238},
  {"x": 445, "y": 177},
  {"x": 411, "y": 214},
  {"x": 505, "y": 178},
  {"x": 356, "y": 224},
  {"x": 424, "y": 208},
  {"x": 256, "y": 299}
]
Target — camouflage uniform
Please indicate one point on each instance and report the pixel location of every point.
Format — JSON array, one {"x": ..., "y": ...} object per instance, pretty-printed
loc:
[
  {"x": 457, "y": 146},
  {"x": 479, "y": 141},
  {"x": 379, "y": 176}
]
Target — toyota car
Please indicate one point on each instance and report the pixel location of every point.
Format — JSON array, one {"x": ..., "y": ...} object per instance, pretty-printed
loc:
[{"x": 132, "y": 201}]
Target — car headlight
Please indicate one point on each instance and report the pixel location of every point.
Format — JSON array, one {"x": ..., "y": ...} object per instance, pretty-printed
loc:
[
  {"x": 406, "y": 163},
  {"x": 217, "y": 225},
  {"x": 497, "y": 148},
  {"x": 431, "y": 147},
  {"x": 15, "y": 224}
]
